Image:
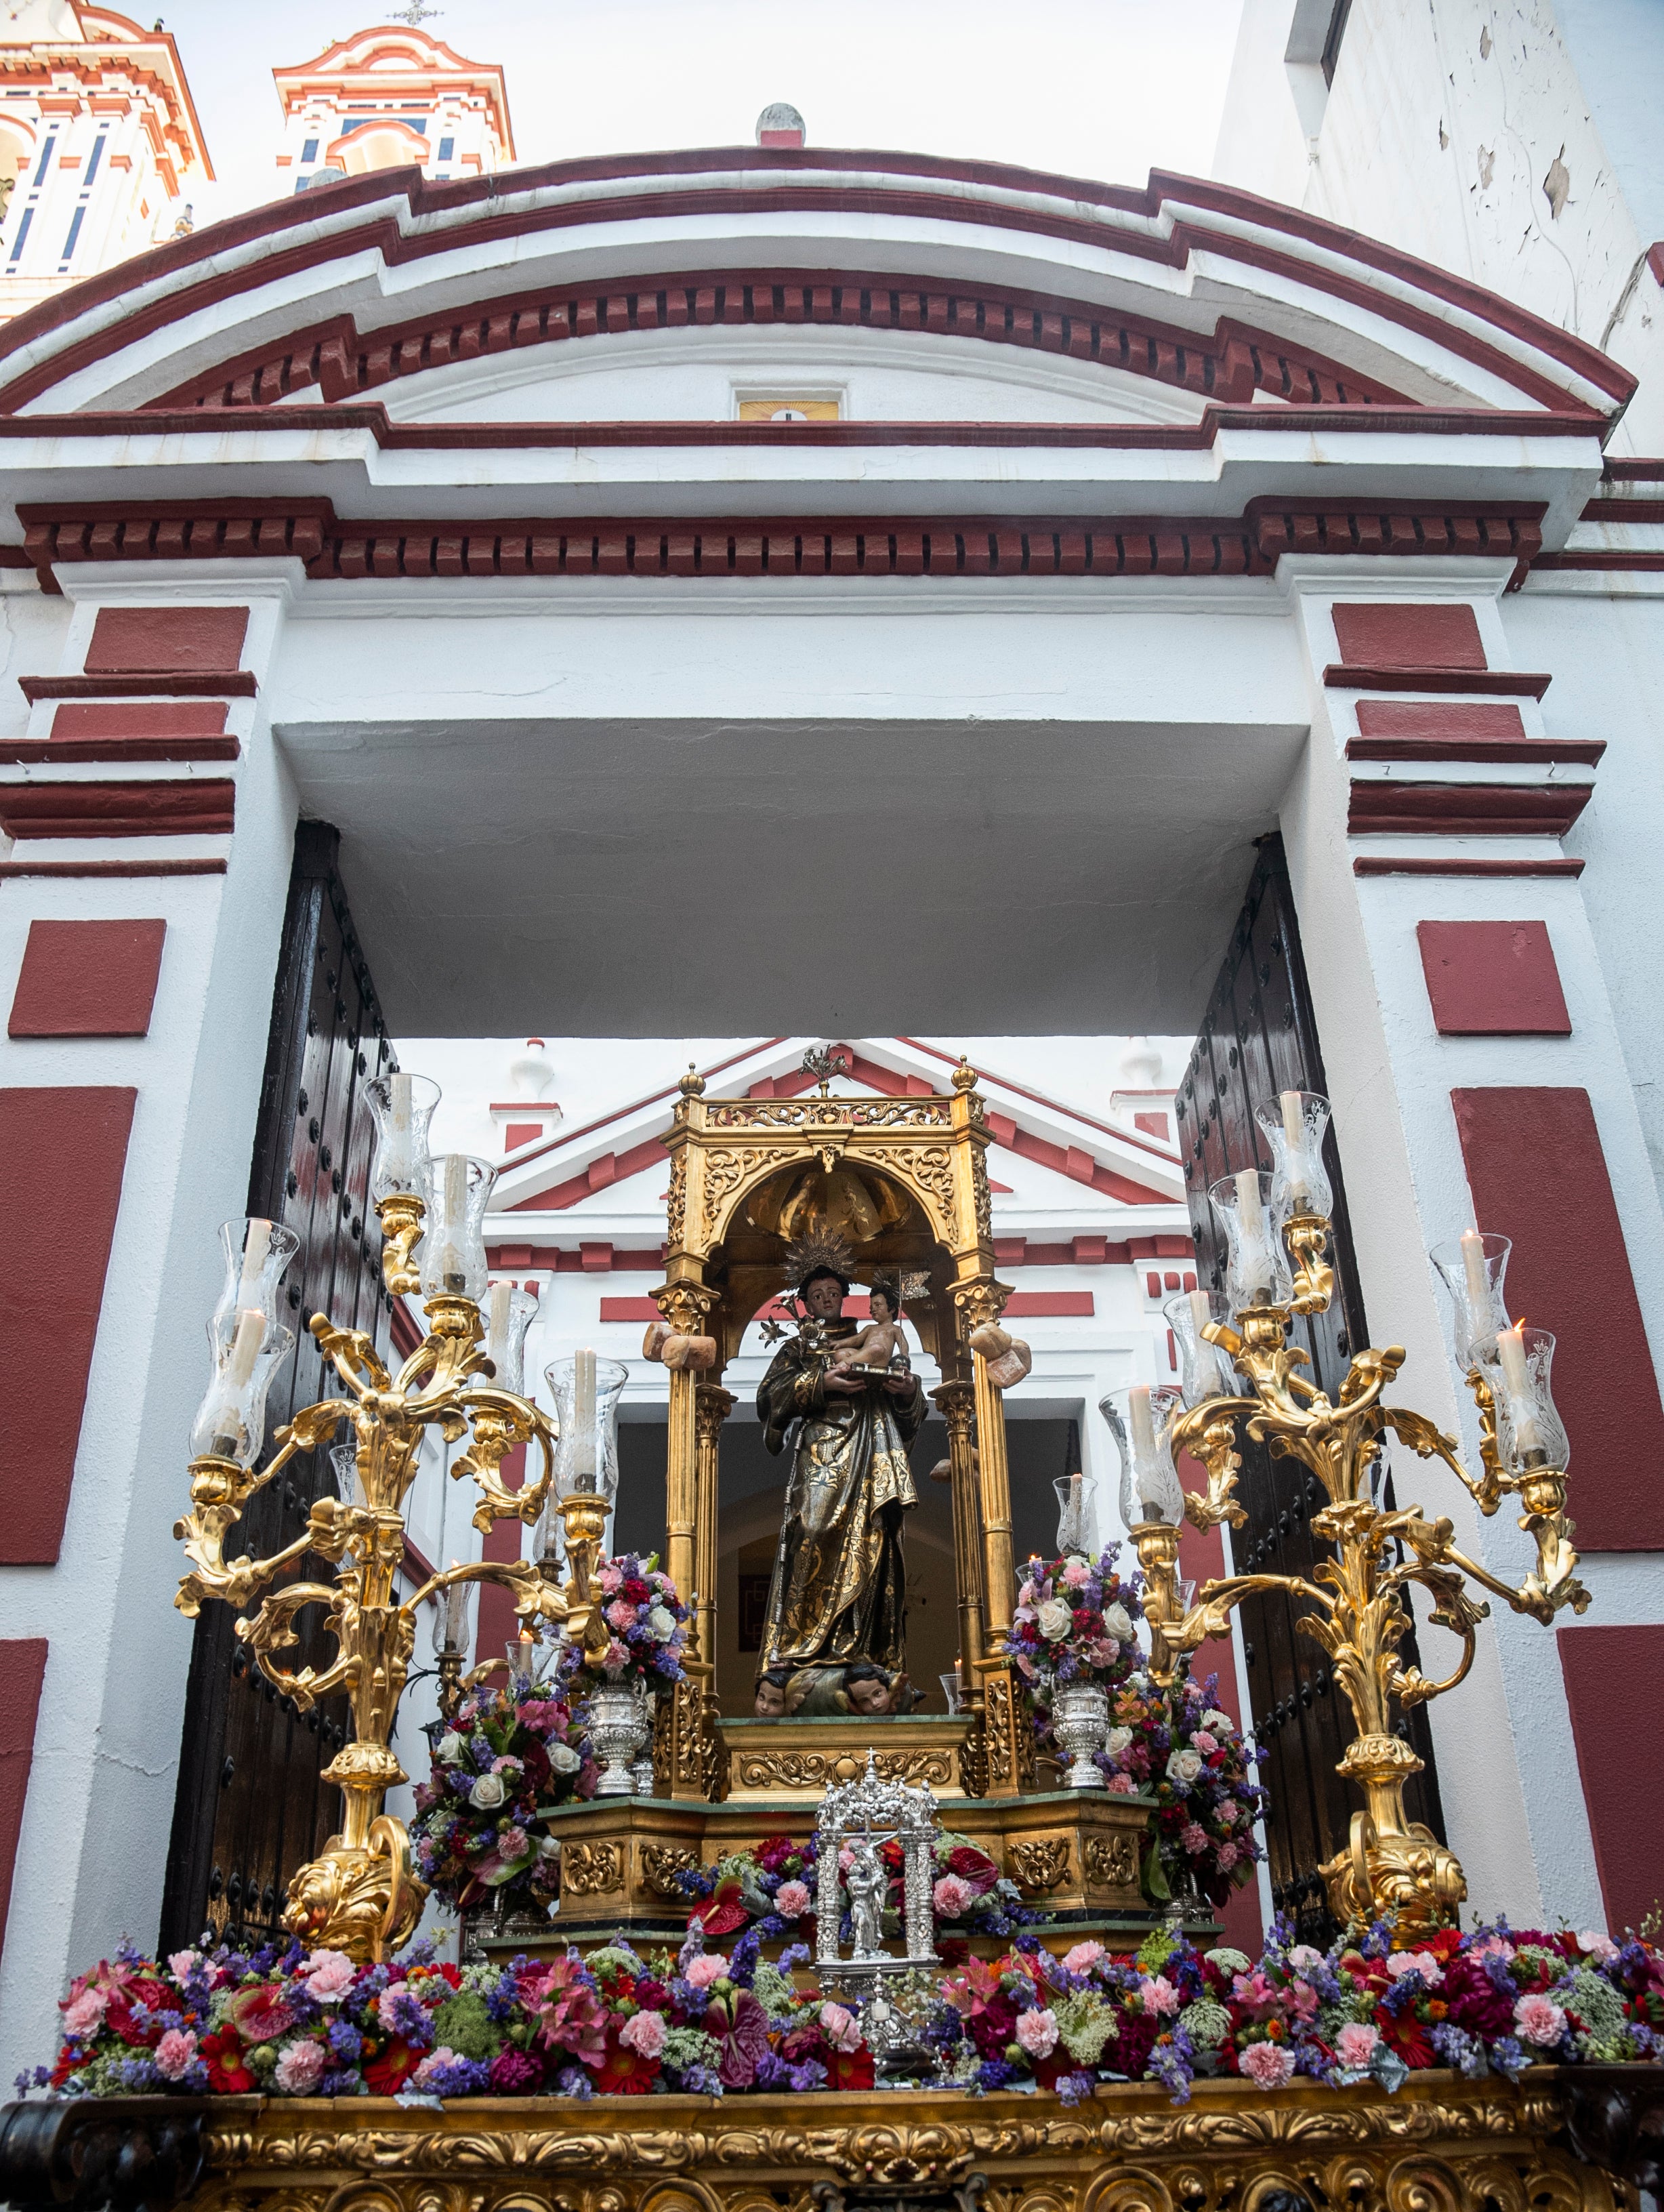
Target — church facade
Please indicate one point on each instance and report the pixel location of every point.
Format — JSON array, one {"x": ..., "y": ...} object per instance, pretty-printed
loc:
[{"x": 835, "y": 595}]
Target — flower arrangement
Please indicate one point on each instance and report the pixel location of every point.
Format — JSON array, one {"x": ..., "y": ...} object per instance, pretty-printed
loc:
[
  {"x": 1076, "y": 1621},
  {"x": 774, "y": 1887},
  {"x": 505, "y": 1759},
  {"x": 294, "y": 2023},
  {"x": 1181, "y": 1749},
  {"x": 646, "y": 1623}
]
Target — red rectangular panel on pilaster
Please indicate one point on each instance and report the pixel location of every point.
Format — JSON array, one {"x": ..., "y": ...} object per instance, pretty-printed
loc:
[
  {"x": 91, "y": 979},
  {"x": 1538, "y": 1173},
  {"x": 62, "y": 1154},
  {"x": 153, "y": 641},
  {"x": 22, "y": 1670},
  {"x": 1396, "y": 634},
  {"x": 1611, "y": 1675},
  {"x": 1493, "y": 979}
]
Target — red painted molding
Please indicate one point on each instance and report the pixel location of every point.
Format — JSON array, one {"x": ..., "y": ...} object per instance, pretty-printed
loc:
[
  {"x": 1079, "y": 1166},
  {"x": 1538, "y": 1173},
  {"x": 556, "y": 1260},
  {"x": 1468, "y": 730},
  {"x": 1230, "y": 362},
  {"x": 1624, "y": 510},
  {"x": 1511, "y": 682},
  {"x": 22, "y": 1671},
  {"x": 1611, "y": 1673},
  {"x": 1644, "y": 563},
  {"x": 1383, "y": 807},
  {"x": 1396, "y": 634},
  {"x": 17, "y": 869},
  {"x": 1404, "y": 865},
  {"x": 166, "y": 641},
  {"x": 230, "y": 684},
  {"x": 36, "y": 752},
  {"x": 87, "y": 979},
  {"x": 199, "y": 272},
  {"x": 79, "y": 720},
  {"x": 180, "y": 808},
  {"x": 62, "y": 1152},
  {"x": 1493, "y": 979}
]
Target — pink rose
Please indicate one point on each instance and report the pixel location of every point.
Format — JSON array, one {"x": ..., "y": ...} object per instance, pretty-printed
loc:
[
  {"x": 951, "y": 1896},
  {"x": 709, "y": 1967},
  {"x": 1267, "y": 2063},
  {"x": 1037, "y": 2032},
  {"x": 1159, "y": 1995},
  {"x": 300, "y": 2068},
  {"x": 1122, "y": 1786},
  {"x": 1355, "y": 2045},
  {"x": 180, "y": 1963},
  {"x": 1192, "y": 1837},
  {"x": 1083, "y": 1956},
  {"x": 1539, "y": 2021},
  {"x": 1596, "y": 1946},
  {"x": 791, "y": 1899},
  {"x": 329, "y": 1975},
  {"x": 175, "y": 2053},
  {"x": 84, "y": 2014},
  {"x": 841, "y": 2027},
  {"x": 1416, "y": 1962},
  {"x": 644, "y": 2031}
]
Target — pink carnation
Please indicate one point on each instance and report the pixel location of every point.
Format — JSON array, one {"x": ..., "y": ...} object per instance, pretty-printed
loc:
[
  {"x": 644, "y": 2032},
  {"x": 1539, "y": 2021},
  {"x": 386, "y": 2006},
  {"x": 513, "y": 1844},
  {"x": 434, "y": 2062},
  {"x": 791, "y": 1899},
  {"x": 175, "y": 2053},
  {"x": 300, "y": 2068},
  {"x": 1159, "y": 1995},
  {"x": 1122, "y": 1786},
  {"x": 84, "y": 2014},
  {"x": 1416, "y": 1962},
  {"x": 1077, "y": 1574},
  {"x": 1204, "y": 1742},
  {"x": 329, "y": 1975},
  {"x": 1084, "y": 1956},
  {"x": 1492, "y": 1946},
  {"x": 951, "y": 1897},
  {"x": 620, "y": 1613},
  {"x": 1267, "y": 2063},
  {"x": 709, "y": 1967},
  {"x": 613, "y": 1581},
  {"x": 841, "y": 2027},
  {"x": 1597, "y": 1946},
  {"x": 615, "y": 1658},
  {"x": 1026, "y": 1594},
  {"x": 1229, "y": 1855},
  {"x": 1355, "y": 2045},
  {"x": 180, "y": 1963},
  {"x": 1037, "y": 2032},
  {"x": 1192, "y": 1837}
]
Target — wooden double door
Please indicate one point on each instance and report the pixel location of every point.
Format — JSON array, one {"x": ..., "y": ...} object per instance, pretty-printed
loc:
[{"x": 1258, "y": 1038}]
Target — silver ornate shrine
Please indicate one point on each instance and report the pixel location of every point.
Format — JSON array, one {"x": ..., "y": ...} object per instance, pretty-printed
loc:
[{"x": 862, "y": 1816}]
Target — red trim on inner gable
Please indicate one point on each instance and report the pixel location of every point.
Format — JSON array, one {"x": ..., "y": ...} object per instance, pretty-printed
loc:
[
  {"x": 1077, "y": 1164},
  {"x": 1502, "y": 682},
  {"x": 653, "y": 1098},
  {"x": 22, "y": 1671},
  {"x": 1538, "y": 1173},
  {"x": 1034, "y": 1099},
  {"x": 556, "y": 1260},
  {"x": 63, "y": 1155},
  {"x": 599, "y": 1175}
]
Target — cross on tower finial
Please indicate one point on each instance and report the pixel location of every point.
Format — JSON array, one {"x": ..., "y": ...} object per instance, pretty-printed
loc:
[{"x": 415, "y": 14}]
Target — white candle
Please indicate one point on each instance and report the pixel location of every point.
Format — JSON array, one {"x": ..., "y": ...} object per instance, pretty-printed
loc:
[
  {"x": 1250, "y": 1210},
  {"x": 1294, "y": 1137},
  {"x": 453, "y": 1273},
  {"x": 583, "y": 1419},
  {"x": 244, "y": 1349},
  {"x": 456, "y": 1605},
  {"x": 1510, "y": 1349},
  {"x": 1201, "y": 1313},
  {"x": 1478, "y": 1282},
  {"x": 496, "y": 1334},
  {"x": 1144, "y": 1434},
  {"x": 257, "y": 1247}
]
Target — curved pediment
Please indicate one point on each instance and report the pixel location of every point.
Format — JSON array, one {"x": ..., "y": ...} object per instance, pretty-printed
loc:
[{"x": 953, "y": 292}]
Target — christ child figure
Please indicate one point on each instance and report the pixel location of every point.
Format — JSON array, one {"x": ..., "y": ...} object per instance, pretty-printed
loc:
[{"x": 882, "y": 1343}]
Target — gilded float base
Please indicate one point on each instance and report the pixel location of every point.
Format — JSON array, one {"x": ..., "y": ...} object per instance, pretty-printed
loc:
[
  {"x": 1072, "y": 1853},
  {"x": 1441, "y": 2144},
  {"x": 778, "y": 1760}
]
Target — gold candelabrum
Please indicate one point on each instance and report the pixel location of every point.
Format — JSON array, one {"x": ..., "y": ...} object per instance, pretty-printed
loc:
[
  {"x": 361, "y": 1896},
  {"x": 1277, "y": 1227}
]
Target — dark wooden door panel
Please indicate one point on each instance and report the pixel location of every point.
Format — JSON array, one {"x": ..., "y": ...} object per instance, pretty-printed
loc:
[
  {"x": 250, "y": 1806},
  {"x": 1259, "y": 1038}
]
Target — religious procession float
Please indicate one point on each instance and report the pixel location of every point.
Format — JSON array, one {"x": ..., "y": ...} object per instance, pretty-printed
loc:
[{"x": 833, "y": 1951}]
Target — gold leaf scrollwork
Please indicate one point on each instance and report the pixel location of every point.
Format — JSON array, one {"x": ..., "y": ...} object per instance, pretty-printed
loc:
[
  {"x": 1112, "y": 1860},
  {"x": 1038, "y": 1862},
  {"x": 591, "y": 1869},
  {"x": 930, "y": 1166},
  {"x": 660, "y": 1865},
  {"x": 724, "y": 1172},
  {"x": 814, "y": 1770},
  {"x": 676, "y": 1214}
]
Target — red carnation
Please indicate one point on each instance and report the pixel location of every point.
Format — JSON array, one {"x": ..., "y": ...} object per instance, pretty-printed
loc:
[{"x": 228, "y": 2076}]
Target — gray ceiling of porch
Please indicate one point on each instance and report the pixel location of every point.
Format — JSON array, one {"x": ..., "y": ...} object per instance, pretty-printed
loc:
[{"x": 708, "y": 878}]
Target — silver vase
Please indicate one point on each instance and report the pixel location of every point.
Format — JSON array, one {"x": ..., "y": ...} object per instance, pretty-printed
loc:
[
  {"x": 1080, "y": 1722},
  {"x": 620, "y": 1726}
]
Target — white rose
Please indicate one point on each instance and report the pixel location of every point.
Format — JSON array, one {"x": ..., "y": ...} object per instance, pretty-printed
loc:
[
  {"x": 563, "y": 1758},
  {"x": 1218, "y": 1724},
  {"x": 451, "y": 1748},
  {"x": 487, "y": 1793},
  {"x": 1184, "y": 1765},
  {"x": 662, "y": 1622},
  {"x": 1119, "y": 1623},
  {"x": 1121, "y": 1740},
  {"x": 1055, "y": 1619}
]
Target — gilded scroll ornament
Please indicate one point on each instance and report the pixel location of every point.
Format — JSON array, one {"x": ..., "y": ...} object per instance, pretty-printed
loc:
[
  {"x": 660, "y": 1865},
  {"x": 1038, "y": 1862},
  {"x": 591, "y": 1869},
  {"x": 1112, "y": 1860}
]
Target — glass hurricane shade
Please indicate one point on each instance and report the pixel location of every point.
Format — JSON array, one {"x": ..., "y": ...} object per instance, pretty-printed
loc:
[
  {"x": 452, "y": 1248},
  {"x": 453, "y": 1617},
  {"x": 1149, "y": 1485},
  {"x": 1077, "y": 1524},
  {"x": 953, "y": 1690},
  {"x": 1516, "y": 1364},
  {"x": 401, "y": 1107},
  {"x": 506, "y": 1313},
  {"x": 1257, "y": 1267},
  {"x": 247, "y": 1341},
  {"x": 1294, "y": 1123},
  {"x": 586, "y": 1390},
  {"x": 1207, "y": 1369},
  {"x": 1473, "y": 1269}
]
